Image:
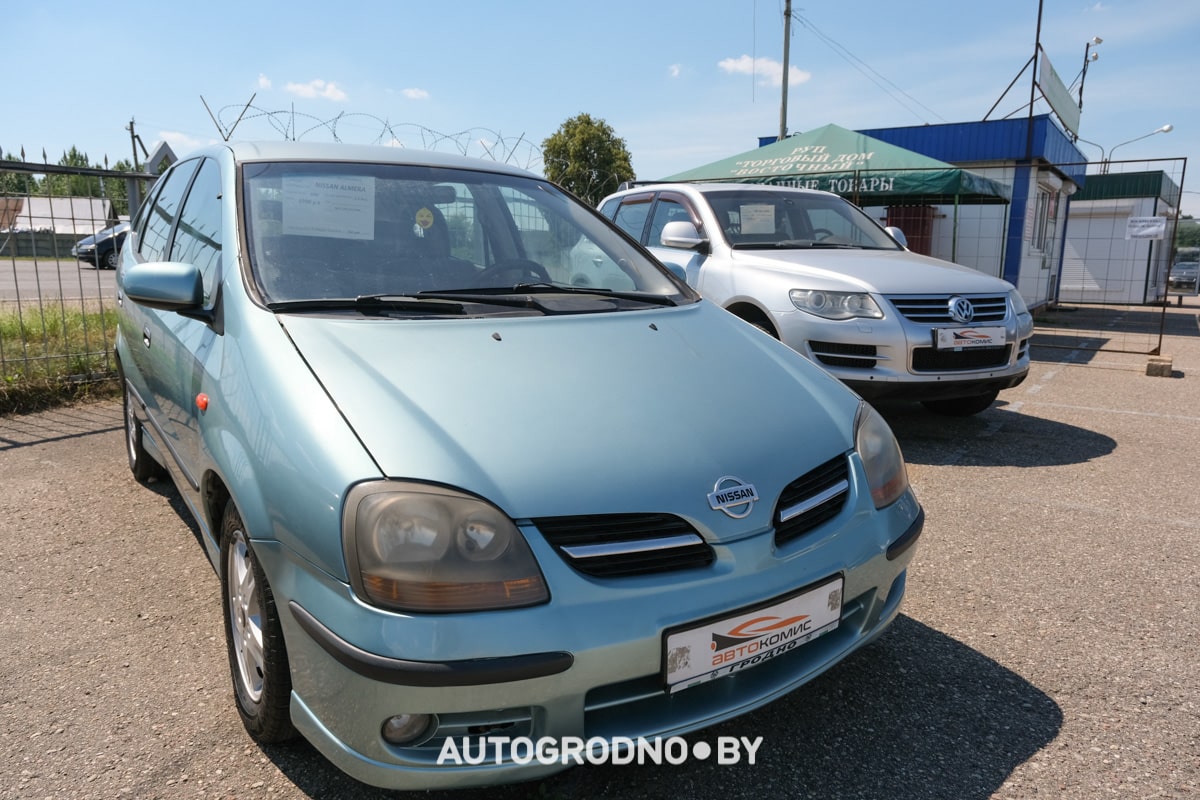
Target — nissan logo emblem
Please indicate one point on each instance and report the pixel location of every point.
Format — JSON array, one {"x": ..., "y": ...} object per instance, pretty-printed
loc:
[{"x": 733, "y": 496}]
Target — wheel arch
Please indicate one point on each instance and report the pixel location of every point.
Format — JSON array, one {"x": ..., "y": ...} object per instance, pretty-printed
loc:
[{"x": 753, "y": 314}]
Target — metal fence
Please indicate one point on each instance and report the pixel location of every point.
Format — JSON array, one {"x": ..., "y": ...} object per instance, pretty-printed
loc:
[
  {"x": 1117, "y": 251},
  {"x": 57, "y": 308},
  {"x": 57, "y": 312}
]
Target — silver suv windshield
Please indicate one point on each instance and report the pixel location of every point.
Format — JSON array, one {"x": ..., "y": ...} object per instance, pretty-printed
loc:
[
  {"x": 780, "y": 219},
  {"x": 325, "y": 233}
]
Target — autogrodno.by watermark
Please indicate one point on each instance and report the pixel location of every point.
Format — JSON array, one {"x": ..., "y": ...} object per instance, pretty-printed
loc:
[{"x": 473, "y": 750}]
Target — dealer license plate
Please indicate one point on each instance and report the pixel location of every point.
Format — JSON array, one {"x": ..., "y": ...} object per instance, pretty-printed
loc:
[
  {"x": 962, "y": 338},
  {"x": 746, "y": 638}
]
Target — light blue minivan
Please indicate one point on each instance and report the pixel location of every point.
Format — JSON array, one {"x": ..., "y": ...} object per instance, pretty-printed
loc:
[{"x": 456, "y": 498}]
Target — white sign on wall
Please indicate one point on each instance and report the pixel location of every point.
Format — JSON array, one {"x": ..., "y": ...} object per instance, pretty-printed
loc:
[{"x": 1146, "y": 228}]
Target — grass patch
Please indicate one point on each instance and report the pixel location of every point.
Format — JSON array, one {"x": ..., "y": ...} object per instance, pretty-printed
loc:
[{"x": 51, "y": 356}]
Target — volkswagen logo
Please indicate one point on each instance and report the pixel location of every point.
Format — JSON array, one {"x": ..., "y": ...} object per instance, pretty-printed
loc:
[
  {"x": 733, "y": 496},
  {"x": 961, "y": 310}
]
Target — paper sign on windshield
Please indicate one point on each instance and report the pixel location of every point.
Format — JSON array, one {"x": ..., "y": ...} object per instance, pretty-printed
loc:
[
  {"x": 759, "y": 218},
  {"x": 338, "y": 206}
]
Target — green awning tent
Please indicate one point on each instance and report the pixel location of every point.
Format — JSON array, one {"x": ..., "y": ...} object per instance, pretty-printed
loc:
[{"x": 867, "y": 171}]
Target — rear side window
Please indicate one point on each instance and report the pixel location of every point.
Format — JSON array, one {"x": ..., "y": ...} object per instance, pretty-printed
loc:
[
  {"x": 162, "y": 216},
  {"x": 631, "y": 217}
]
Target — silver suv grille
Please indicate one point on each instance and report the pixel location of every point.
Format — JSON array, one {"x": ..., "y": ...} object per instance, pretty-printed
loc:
[{"x": 935, "y": 309}]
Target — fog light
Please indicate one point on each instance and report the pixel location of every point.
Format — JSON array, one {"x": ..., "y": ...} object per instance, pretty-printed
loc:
[{"x": 404, "y": 729}]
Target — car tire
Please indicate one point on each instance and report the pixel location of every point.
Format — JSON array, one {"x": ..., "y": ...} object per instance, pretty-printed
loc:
[
  {"x": 110, "y": 259},
  {"x": 258, "y": 661},
  {"x": 141, "y": 464},
  {"x": 961, "y": 406}
]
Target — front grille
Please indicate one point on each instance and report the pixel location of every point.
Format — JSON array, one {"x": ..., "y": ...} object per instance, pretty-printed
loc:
[
  {"x": 615, "y": 545},
  {"x": 812, "y": 499},
  {"x": 837, "y": 354},
  {"x": 935, "y": 309},
  {"x": 927, "y": 359}
]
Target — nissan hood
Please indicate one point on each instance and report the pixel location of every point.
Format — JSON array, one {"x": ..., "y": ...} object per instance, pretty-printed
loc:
[{"x": 634, "y": 411}]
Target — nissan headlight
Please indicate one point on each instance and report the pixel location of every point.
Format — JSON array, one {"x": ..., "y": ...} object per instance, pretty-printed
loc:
[
  {"x": 836, "y": 305},
  {"x": 880, "y": 454},
  {"x": 412, "y": 547}
]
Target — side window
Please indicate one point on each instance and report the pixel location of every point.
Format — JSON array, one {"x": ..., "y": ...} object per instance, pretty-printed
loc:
[
  {"x": 532, "y": 228},
  {"x": 198, "y": 237},
  {"x": 462, "y": 224},
  {"x": 832, "y": 224},
  {"x": 631, "y": 218},
  {"x": 667, "y": 209},
  {"x": 143, "y": 211},
  {"x": 161, "y": 217}
]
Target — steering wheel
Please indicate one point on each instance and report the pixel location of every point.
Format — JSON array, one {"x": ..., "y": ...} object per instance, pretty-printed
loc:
[
  {"x": 512, "y": 271},
  {"x": 820, "y": 234}
]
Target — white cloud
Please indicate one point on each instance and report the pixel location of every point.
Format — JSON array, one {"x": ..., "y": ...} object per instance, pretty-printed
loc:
[
  {"x": 415, "y": 94},
  {"x": 769, "y": 72},
  {"x": 263, "y": 81},
  {"x": 317, "y": 88},
  {"x": 674, "y": 70},
  {"x": 181, "y": 143}
]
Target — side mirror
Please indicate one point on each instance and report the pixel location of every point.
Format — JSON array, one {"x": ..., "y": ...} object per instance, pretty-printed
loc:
[
  {"x": 165, "y": 285},
  {"x": 683, "y": 234},
  {"x": 676, "y": 270},
  {"x": 898, "y": 235}
]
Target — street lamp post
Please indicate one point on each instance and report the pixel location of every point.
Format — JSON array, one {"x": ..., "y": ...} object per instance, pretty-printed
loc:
[
  {"x": 1088, "y": 58},
  {"x": 1104, "y": 166}
]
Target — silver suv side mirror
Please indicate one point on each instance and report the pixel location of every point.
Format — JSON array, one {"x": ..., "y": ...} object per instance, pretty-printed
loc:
[
  {"x": 898, "y": 235},
  {"x": 682, "y": 234}
]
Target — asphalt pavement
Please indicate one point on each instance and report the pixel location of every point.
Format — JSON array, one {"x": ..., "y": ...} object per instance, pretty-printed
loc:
[
  {"x": 27, "y": 280},
  {"x": 1048, "y": 646}
]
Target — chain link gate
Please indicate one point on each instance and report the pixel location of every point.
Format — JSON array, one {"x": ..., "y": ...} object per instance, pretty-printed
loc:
[
  {"x": 1118, "y": 248},
  {"x": 57, "y": 312}
]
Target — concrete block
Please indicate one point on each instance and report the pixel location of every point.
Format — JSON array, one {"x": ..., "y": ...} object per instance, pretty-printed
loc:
[{"x": 1159, "y": 367}]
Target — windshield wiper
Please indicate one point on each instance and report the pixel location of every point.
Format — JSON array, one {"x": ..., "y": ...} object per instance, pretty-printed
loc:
[
  {"x": 796, "y": 244},
  {"x": 528, "y": 289},
  {"x": 370, "y": 302}
]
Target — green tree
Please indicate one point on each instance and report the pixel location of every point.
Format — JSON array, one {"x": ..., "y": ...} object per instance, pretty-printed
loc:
[
  {"x": 586, "y": 156},
  {"x": 17, "y": 184},
  {"x": 1187, "y": 233},
  {"x": 72, "y": 185},
  {"x": 117, "y": 189}
]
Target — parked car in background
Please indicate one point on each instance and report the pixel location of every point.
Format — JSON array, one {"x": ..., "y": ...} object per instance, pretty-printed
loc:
[
  {"x": 816, "y": 272},
  {"x": 1185, "y": 277},
  {"x": 102, "y": 248},
  {"x": 455, "y": 500}
]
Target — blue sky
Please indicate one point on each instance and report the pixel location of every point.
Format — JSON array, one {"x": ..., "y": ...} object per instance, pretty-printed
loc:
[{"x": 683, "y": 82}]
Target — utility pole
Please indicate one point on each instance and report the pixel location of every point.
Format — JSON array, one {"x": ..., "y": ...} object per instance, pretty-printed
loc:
[
  {"x": 133, "y": 143},
  {"x": 787, "y": 42}
]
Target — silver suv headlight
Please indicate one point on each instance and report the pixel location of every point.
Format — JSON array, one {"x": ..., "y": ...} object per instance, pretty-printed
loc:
[
  {"x": 1018, "y": 303},
  {"x": 836, "y": 305},
  {"x": 413, "y": 547},
  {"x": 880, "y": 453}
]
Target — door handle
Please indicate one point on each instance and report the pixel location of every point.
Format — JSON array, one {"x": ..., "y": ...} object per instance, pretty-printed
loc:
[{"x": 146, "y": 336}]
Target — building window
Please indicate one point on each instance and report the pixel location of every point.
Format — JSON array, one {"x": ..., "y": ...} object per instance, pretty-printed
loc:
[{"x": 1045, "y": 215}]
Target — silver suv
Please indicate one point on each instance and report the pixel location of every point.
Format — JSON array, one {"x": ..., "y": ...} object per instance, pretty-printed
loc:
[{"x": 818, "y": 273}]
